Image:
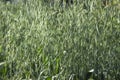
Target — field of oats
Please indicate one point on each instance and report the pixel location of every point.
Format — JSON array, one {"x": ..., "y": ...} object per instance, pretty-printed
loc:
[{"x": 40, "y": 40}]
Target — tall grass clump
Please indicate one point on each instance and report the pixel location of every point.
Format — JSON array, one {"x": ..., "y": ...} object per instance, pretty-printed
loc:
[{"x": 45, "y": 41}]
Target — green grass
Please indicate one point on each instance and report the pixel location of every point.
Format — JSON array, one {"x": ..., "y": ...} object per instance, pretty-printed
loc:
[{"x": 43, "y": 42}]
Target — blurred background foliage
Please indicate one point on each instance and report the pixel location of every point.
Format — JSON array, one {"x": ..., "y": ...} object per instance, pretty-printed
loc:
[{"x": 55, "y": 40}]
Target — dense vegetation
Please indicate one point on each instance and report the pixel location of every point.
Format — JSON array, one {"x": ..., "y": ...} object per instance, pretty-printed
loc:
[{"x": 40, "y": 41}]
